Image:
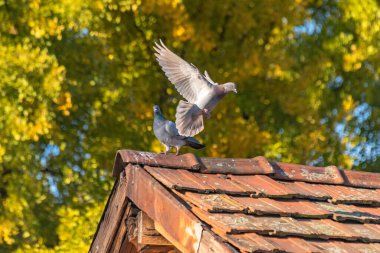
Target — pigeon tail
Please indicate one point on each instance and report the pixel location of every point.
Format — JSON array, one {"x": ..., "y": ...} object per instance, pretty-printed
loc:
[
  {"x": 191, "y": 142},
  {"x": 189, "y": 119}
]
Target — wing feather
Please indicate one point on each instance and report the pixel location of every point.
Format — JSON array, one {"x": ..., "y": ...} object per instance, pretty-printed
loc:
[
  {"x": 171, "y": 129},
  {"x": 186, "y": 78}
]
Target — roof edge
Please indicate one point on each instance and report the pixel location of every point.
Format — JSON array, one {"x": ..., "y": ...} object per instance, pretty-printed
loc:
[{"x": 248, "y": 166}]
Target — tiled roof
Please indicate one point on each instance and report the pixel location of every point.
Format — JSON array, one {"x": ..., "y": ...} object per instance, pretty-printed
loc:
[{"x": 257, "y": 205}]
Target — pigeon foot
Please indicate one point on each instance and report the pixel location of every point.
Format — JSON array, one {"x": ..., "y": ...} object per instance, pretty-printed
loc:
[{"x": 206, "y": 113}]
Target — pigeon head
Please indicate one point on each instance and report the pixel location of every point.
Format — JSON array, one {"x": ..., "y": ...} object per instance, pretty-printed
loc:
[
  {"x": 228, "y": 87},
  {"x": 156, "y": 109},
  {"x": 158, "y": 114}
]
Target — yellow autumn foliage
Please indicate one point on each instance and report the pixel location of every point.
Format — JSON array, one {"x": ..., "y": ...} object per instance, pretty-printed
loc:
[{"x": 78, "y": 80}]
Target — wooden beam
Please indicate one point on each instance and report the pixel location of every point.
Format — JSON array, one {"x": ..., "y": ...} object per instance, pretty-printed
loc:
[
  {"x": 127, "y": 232},
  {"x": 151, "y": 197},
  {"x": 158, "y": 249},
  {"x": 147, "y": 233},
  {"x": 122, "y": 230},
  {"x": 132, "y": 228},
  {"x": 127, "y": 247},
  {"x": 111, "y": 217},
  {"x": 142, "y": 234}
]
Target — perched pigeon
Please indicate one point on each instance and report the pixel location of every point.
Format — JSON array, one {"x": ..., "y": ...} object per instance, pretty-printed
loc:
[
  {"x": 167, "y": 133},
  {"x": 202, "y": 93}
]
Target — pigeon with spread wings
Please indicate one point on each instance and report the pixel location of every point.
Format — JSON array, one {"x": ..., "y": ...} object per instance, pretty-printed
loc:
[
  {"x": 167, "y": 133},
  {"x": 200, "y": 91}
]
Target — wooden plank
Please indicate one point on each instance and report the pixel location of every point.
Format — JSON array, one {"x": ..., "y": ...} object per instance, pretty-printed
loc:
[
  {"x": 122, "y": 230},
  {"x": 127, "y": 247},
  {"x": 172, "y": 219},
  {"x": 100, "y": 223},
  {"x": 130, "y": 213},
  {"x": 111, "y": 217},
  {"x": 147, "y": 233},
  {"x": 157, "y": 249}
]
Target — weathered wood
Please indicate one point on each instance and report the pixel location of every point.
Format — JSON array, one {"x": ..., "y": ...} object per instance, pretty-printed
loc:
[
  {"x": 123, "y": 157},
  {"x": 157, "y": 249},
  {"x": 123, "y": 231},
  {"x": 172, "y": 219},
  {"x": 253, "y": 166},
  {"x": 175, "y": 219},
  {"x": 147, "y": 233},
  {"x": 111, "y": 218},
  {"x": 127, "y": 247},
  {"x": 132, "y": 229},
  {"x": 211, "y": 243}
]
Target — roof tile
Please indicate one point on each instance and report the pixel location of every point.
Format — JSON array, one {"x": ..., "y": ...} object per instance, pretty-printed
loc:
[
  {"x": 223, "y": 184},
  {"x": 178, "y": 179},
  {"x": 307, "y": 190},
  {"x": 292, "y": 244},
  {"x": 212, "y": 202},
  {"x": 362, "y": 179},
  {"x": 294, "y": 208},
  {"x": 296, "y": 172},
  {"x": 250, "y": 242},
  {"x": 349, "y": 195},
  {"x": 367, "y": 232},
  {"x": 260, "y": 206},
  {"x": 239, "y": 223},
  {"x": 351, "y": 213},
  {"x": 257, "y": 165},
  {"x": 369, "y": 209},
  {"x": 325, "y": 229},
  {"x": 264, "y": 185},
  {"x": 303, "y": 209},
  {"x": 345, "y": 247},
  {"x": 286, "y": 226},
  {"x": 331, "y": 229}
]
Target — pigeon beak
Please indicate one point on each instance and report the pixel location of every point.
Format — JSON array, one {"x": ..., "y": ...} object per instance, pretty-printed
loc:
[{"x": 235, "y": 90}]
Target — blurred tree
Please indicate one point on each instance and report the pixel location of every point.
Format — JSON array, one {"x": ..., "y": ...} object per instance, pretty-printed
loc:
[{"x": 78, "y": 80}]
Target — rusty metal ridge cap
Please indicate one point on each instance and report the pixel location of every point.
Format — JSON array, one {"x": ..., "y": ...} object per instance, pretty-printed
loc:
[
  {"x": 361, "y": 179},
  {"x": 248, "y": 166},
  {"x": 124, "y": 157},
  {"x": 243, "y": 166},
  {"x": 325, "y": 175},
  {"x": 297, "y": 172}
]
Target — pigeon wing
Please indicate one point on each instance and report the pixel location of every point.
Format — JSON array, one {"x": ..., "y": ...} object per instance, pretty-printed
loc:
[
  {"x": 171, "y": 129},
  {"x": 208, "y": 78},
  {"x": 187, "y": 79}
]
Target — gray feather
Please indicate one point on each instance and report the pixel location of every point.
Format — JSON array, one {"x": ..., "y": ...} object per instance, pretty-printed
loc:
[
  {"x": 200, "y": 91},
  {"x": 167, "y": 132},
  {"x": 186, "y": 78}
]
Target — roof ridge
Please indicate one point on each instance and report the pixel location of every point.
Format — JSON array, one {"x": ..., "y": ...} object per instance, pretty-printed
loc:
[{"x": 249, "y": 166}]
